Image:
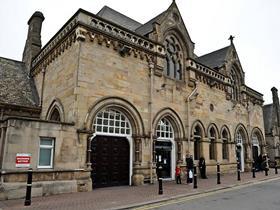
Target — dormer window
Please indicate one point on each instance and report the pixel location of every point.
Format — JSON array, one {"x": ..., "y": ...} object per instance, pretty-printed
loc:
[{"x": 173, "y": 60}]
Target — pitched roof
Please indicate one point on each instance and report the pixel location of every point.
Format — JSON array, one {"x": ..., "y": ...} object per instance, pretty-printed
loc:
[
  {"x": 15, "y": 85},
  {"x": 148, "y": 27},
  {"x": 118, "y": 18},
  {"x": 214, "y": 59},
  {"x": 268, "y": 118}
]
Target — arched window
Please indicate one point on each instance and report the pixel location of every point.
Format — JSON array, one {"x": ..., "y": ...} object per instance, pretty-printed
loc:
[
  {"x": 255, "y": 146},
  {"x": 55, "y": 115},
  {"x": 239, "y": 138},
  {"x": 164, "y": 129},
  {"x": 111, "y": 121},
  {"x": 225, "y": 144},
  {"x": 173, "y": 63},
  {"x": 197, "y": 142},
  {"x": 212, "y": 139},
  {"x": 235, "y": 85}
]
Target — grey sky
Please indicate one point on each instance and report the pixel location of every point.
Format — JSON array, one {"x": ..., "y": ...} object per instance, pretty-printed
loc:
[{"x": 254, "y": 23}]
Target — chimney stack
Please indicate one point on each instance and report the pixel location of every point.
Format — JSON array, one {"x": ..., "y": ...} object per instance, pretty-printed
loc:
[
  {"x": 33, "y": 42},
  {"x": 276, "y": 104}
]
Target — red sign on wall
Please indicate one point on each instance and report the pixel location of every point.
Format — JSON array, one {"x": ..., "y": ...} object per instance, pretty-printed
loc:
[{"x": 23, "y": 160}]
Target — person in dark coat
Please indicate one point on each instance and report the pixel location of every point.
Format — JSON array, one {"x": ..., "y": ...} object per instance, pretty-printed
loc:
[
  {"x": 202, "y": 168},
  {"x": 189, "y": 165}
]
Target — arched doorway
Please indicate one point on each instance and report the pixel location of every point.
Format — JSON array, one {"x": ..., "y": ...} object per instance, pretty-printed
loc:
[
  {"x": 165, "y": 148},
  {"x": 255, "y": 147},
  {"x": 111, "y": 155},
  {"x": 240, "y": 148},
  {"x": 197, "y": 136}
]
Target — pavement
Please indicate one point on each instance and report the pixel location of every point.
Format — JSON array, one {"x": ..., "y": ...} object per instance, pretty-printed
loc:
[{"x": 129, "y": 197}]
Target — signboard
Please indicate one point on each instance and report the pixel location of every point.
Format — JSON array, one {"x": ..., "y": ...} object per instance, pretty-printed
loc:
[{"x": 23, "y": 160}]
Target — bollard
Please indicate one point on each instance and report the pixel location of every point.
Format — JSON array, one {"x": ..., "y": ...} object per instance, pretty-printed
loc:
[
  {"x": 275, "y": 165},
  {"x": 194, "y": 177},
  {"x": 160, "y": 189},
  {"x": 253, "y": 169},
  {"x": 218, "y": 174},
  {"x": 27, "y": 201},
  {"x": 266, "y": 166},
  {"x": 238, "y": 171}
]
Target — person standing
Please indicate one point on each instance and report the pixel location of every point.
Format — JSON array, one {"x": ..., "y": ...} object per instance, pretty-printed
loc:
[
  {"x": 202, "y": 168},
  {"x": 178, "y": 174},
  {"x": 189, "y": 165}
]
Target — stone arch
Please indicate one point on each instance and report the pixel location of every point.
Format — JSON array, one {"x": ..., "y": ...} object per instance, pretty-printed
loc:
[
  {"x": 241, "y": 127},
  {"x": 121, "y": 105},
  {"x": 242, "y": 148},
  {"x": 200, "y": 124},
  {"x": 259, "y": 134},
  {"x": 213, "y": 139},
  {"x": 226, "y": 139},
  {"x": 56, "y": 105},
  {"x": 174, "y": 119},
  {"x": 164, "y": 118},
  {"x": 185, "y": 41},
  {"x": 225, "y": 128},
  {"x": 257, "y": 147},
  {"x": 213, "y": 125}
]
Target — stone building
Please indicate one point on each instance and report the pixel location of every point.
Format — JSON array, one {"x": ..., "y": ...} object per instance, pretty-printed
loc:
[
  {"x": 271, "y": 114},
  {"x": 108, "y": 97}
]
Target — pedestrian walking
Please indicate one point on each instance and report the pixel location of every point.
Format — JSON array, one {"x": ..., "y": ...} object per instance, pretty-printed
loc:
[
  {"x": 178, "y": 174},
  {"x": 202, "y": 168},
  {"x": 189, "y": 165}
]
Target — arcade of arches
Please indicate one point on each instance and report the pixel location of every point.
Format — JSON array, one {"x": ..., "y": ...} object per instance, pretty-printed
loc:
[{"x": 116, "y": 151}]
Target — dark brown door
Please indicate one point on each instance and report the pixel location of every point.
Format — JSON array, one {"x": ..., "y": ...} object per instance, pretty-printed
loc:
[{"x": 110, "y": 161}]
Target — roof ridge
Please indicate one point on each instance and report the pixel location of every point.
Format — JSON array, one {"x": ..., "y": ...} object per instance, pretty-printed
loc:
[
  {"x": 11, "y": 59},
  {"x": 214, "y": 51},
  {"x": 107, "y": 7}
]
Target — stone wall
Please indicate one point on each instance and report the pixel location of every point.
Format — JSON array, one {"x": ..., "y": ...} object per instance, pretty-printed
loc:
[{"x": 68, "y": 174}]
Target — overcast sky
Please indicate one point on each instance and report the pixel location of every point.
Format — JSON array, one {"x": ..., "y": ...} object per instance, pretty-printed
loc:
[{"x": 254, "y": 23}]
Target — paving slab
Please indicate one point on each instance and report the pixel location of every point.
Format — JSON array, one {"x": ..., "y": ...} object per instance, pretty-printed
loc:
[{"x": 127, "y": 197}]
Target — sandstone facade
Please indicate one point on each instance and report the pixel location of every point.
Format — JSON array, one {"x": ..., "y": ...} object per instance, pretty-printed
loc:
[{"x": 147, "y": 81}]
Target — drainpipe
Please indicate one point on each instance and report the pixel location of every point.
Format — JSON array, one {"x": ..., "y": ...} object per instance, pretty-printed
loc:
[
  {"x": 151, "y": 68},
  {"x": 43, "y": 86},
  {"x": 188, "y": 114}
]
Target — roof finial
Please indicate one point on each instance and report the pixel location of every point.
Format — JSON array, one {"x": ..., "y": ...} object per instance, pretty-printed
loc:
[
  {"x": 173, "y": 1},
  {"x": 231, "y": 39}
]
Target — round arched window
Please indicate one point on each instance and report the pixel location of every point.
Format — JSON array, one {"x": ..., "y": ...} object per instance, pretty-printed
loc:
[
  {"x": 164, "y": 129},
  {"x": 111, "y": 121}
]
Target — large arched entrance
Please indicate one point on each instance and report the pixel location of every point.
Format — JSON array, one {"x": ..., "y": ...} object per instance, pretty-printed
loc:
[
  {"x": 165, "y": 148},
  {"x": 111, "y": 149},
  {"x": 240, "y": 150}
]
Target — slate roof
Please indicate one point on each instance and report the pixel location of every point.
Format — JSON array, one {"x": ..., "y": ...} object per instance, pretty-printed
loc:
[
  {"x": 214, "y": 59},
  {"x": 148, "y": 27},
  {"x": 118, "y": 18},
  {"x": 268, "y": 118},
  {"x": 16, "y": 87}
]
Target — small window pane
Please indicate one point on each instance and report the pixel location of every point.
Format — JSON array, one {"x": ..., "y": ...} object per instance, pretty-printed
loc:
[
  {"x": 46, "y": 142},
  {"x": 45, "y": 157}
]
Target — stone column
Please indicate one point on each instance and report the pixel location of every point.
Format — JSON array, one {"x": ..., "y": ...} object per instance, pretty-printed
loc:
[
  {"x": 204, "y": 150},
  {"x": 138, "y": 150},
  {"x": 179, "y": 150},
  {"x": 219, "y": 150}
]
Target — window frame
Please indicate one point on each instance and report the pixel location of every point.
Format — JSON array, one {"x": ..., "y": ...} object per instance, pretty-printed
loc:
[
  {"x": 212, "y": 145},
  {"x": 225, "y": 150},
  {"x": 52, "y": 147}
]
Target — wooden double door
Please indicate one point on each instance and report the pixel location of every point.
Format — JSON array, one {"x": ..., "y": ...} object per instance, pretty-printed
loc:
[{"x": 110, "y": 161}]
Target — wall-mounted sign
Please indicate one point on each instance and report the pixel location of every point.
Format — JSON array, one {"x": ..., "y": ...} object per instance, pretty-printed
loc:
[{"x": 23, "y": 160}]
